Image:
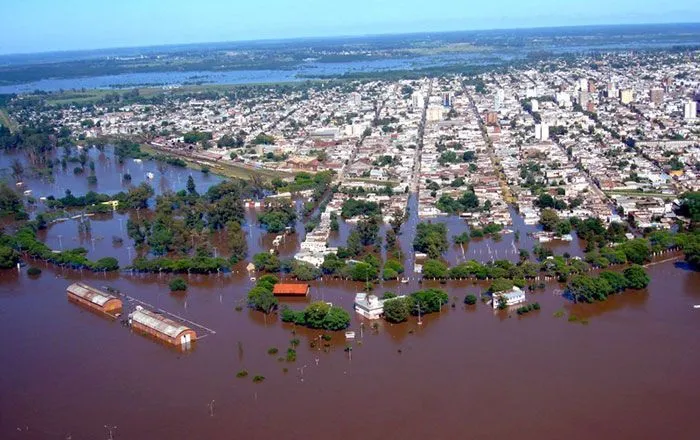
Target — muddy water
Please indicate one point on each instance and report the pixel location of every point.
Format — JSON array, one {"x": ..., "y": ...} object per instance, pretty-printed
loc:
[
  {"x": 109, "y": 174},
  {"x": 626, "y": 368},
  {"x": 630, "y": 372}
]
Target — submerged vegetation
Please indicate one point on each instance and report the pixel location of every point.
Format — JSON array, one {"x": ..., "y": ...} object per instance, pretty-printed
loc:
[{"x": 318, "y": 315}]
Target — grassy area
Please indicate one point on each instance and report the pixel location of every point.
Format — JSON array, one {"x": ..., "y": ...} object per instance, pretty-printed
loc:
[
  {"x": 224, "y": 169},
  {"x": 6, "y": 120},
  {"x": 391, "y": 183},
  {"x": 94, "y": 95},
  {"x": 633, "y": 193}
]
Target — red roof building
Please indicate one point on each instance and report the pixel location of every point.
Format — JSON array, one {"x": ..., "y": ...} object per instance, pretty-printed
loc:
[{"x": 291, "y": 289}]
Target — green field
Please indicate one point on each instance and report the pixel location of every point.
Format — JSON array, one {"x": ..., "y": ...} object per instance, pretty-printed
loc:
[
  {"x": 94, "y": 95},
  {"x": 6, "y": 120},
  {"x": 222, "y": 169},
  {"x": 632, "y": 193},
  {"x": 391, "y": 183}
]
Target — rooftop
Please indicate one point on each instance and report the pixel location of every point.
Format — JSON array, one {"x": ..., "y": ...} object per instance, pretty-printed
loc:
[{"x": 290, "y": 289}]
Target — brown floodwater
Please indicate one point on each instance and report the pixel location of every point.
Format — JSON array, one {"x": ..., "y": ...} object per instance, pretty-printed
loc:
[
  {"x": 626, "y": 369},
  {"x": 109, "y": 174},
  {"x": 623, "y": 369}
]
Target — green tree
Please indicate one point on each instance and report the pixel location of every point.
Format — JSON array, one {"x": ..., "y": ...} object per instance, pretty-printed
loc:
[
  {"x": 428, "y": 301},
  {"x": 636, "y": 277},
  {"x": 362, "y": 271},
  {"x": 500, "y": 285},
  {"x": 435, "y": 269},
  {"x": 389, "y": 274},
  {"x": 305, "y": 271},
  {"x": 355, "y": 246},
  {"x": 315, "y": 314},
  {"x": 431, "y": 238},
  {"x": 106, "y": 264},
  {"x": 8, "y": 257},
  {"x": 368, "y": 230},
  {"x": 236, "y": 241},
  {"x": 331, "y": 264},
  {"x": 549, "y": 219},
  {"x": 336, "y": 319},
  {"x": 266, "y": 261},
  {"x": 397, "y": 309},
  {"x": 261, "y": 298},
  {"x": 617, "y": 281},
  {"x": 191, "y": 188},
  {"x": 638, "y": 251}
]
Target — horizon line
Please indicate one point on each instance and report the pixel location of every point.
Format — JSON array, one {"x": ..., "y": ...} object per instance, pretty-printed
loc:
[{"x": 340, "y": 36}]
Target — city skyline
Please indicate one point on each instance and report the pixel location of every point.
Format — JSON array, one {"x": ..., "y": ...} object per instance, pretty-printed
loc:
[{"x": 39, "y": 26}]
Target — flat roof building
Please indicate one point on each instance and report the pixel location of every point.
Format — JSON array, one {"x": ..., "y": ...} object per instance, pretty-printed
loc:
[
  {"x": 291, "y": 289},
  {"x": 93, "y": 298},
  {"x": 161, "y": 327},
  {"x": 368, "y": 306},
  {"x": 511, "y": 297}
]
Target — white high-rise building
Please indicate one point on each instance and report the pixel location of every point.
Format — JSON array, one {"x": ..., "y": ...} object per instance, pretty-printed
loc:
[
  {"x": 690, "y": 111},
  {"x": 563, "y": 99},
  {"x": 583, "y": 85},
  {"x": 535, "y": 105},
  {"x": 434, "y": 113},
  {"x": 418, "y": 101},
  {"x": 498, "y": 99},
  {"x": 542, "y": 131},
  {"x": 355, "y": 99},
  {"x": 583, "y": 98},
  {"x": 626, "y": 96}
]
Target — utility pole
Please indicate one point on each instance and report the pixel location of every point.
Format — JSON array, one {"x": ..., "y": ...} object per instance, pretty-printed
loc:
[
  {"x": 110, "y": 431},
  {"x": 211, "y": 408}
]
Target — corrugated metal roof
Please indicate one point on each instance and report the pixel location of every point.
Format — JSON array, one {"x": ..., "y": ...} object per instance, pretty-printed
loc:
[
  {"x": 91, "y": 294},
  {"x": 290, "y": 289},
  {"x": 158, "y": 322}
]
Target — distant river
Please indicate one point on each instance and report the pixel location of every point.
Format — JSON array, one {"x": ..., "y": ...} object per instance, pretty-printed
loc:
[
  {"x": 303, "y": 72},
  {"x": 514, "y": 46}
]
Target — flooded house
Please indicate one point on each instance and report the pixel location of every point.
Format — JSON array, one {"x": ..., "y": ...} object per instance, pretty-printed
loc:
[
  {"x": 94, "y": 299},
  {"x": 511, "y": 297},
  {"x": 291, "y": 289},
  {"x": 368, "y": 306},
  {"x": 160, "y": 327}
]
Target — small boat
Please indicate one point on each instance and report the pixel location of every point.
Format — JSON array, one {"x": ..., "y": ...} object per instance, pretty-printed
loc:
[
  {"x": 404, "y": 280},
  {"x": 696, "y": 306},
  {"x": 150, "y": 175},
  {"x": 349, "y": 335}
]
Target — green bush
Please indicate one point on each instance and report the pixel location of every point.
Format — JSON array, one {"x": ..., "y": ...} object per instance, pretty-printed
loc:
[
  {"x": 291, "y": 355},
  {"x": 178, "y": 285}
]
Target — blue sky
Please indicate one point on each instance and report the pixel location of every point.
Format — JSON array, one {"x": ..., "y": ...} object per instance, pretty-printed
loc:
[{"x": 48, "y": 25}]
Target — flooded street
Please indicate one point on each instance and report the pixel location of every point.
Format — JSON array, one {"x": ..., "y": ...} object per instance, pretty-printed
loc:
[{"x": 625, "y": 368}]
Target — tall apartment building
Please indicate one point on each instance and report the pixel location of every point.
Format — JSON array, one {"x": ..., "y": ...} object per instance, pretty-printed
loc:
[
  {"x": 690, "y": 111},
  {"x": 656, "y": 95},
  {"x": 626, "y": 96}
]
